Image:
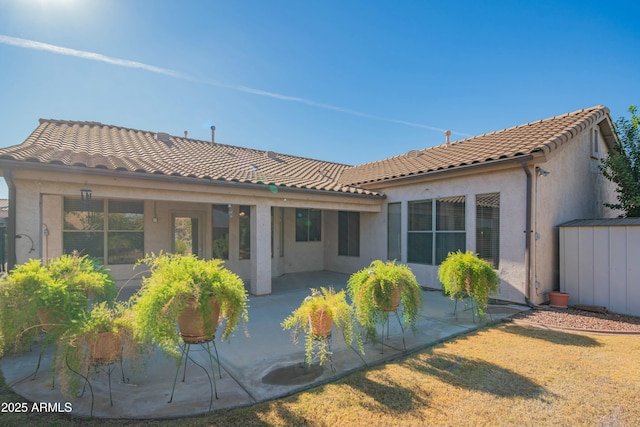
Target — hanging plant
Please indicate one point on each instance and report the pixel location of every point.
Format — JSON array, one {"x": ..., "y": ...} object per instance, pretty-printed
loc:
[
  {"x": 377, "y": 290},
  {"x": 464, "y": 275},
  {"x": 316, "y": 316},
  {"x": 178, "y": 282}
]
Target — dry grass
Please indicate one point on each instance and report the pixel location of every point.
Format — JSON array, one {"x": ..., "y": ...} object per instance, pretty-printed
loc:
[{"x": 501, "y": 376}]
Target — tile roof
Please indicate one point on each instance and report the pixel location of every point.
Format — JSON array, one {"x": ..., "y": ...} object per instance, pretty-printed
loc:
[
  {"x": 541, "y": 136},
  {"x": 100, "y": 146},
  {"x": 112, "y": 148}
]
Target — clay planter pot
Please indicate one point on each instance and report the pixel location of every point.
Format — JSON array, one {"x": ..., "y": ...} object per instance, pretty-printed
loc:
[
  {"x": 194, "y": 327},
  {"x": 47, "y": 320},
  {"x": 321, "y": 323},
  {"x": 107, "y": 348},
  {"x": 392, "y": 304},
  {"x": 558, "y": 299}
]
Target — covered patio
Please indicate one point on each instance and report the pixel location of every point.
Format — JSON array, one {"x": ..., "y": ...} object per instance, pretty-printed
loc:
[{"x": 260, "y": 362}]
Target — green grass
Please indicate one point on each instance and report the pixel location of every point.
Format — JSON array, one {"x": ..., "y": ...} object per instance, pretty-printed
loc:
[{"x": 506, "y": 375}]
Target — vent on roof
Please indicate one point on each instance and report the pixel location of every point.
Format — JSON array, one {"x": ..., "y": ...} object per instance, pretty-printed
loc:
[
  {"x": 413, "y": 154},
  {"x": 162, "y": 136},
  {"x": 270, "y": 154}
]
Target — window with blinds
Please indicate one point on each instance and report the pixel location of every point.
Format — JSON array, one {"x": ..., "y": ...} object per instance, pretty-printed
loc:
[{"x": 488, "y": 228}]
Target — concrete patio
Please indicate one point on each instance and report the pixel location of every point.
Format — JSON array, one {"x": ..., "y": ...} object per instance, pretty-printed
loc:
[{"x": 260, "y": 362}]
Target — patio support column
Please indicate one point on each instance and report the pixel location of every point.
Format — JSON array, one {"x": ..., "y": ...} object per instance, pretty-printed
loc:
[{"x": 260, "y": 249}]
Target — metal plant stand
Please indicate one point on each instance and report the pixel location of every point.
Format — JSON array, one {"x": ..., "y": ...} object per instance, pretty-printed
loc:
[
  {"x": 385, "y": 321},
  {"x": 107, "y": 368},
  {"x": 185, "y": 355},
  {"x": 326, "y": 341}
]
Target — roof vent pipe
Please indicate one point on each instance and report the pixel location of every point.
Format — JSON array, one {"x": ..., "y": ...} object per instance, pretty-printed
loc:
[
  {"x": 186, "y": 134},
  {"x": 213, "y": 134},
  {"x": 448, "y": 135}
]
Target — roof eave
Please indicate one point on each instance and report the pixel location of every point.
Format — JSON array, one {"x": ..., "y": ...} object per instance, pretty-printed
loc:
[
  {"x": 79, "y": 170},
  {"x": 500, "y": 164}
]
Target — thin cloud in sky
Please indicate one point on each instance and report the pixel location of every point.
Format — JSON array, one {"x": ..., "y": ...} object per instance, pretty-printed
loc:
[{"x": 31, "y": 44}]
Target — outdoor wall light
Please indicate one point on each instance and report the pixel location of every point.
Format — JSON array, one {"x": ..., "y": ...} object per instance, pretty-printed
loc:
[
  {"x": 542, "y": 172},
  {"x": 20, "y": 236},
  {"x": 85, "y": 194}
]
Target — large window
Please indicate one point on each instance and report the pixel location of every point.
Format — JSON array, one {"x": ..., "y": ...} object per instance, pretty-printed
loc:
[
  {"x": 111, "y": 231},
  {"x": 349, "y": 233},
  {"x": 221, "y": 231},
  {"x": 308, "y": 225},
  {"x": 488, "y": 227},
  {"x": 436, "y": 227},
  {"x": 245, "y": 232},
  {"x": 394, "y": 248}
]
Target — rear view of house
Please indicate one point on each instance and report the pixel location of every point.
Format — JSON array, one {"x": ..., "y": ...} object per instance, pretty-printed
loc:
[{"x": 117, "y": 193}]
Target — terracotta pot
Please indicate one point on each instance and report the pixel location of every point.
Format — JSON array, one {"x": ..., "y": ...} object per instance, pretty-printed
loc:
[
  {"x": 48, "y": 320},
  {"x": 107, "y": 348},
  {"x": 558, "y": 299},
  {"x": 321, "y": 323},
  {"x": 392, "y": 304},
  {"x": 194, "y": 327}
]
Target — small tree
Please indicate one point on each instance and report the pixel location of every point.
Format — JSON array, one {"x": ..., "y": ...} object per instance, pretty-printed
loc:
[{"x": 622, "y": 165}]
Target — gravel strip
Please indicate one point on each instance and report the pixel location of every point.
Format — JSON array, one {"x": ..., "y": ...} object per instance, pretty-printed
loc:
[{"x": 571, "y": 318}]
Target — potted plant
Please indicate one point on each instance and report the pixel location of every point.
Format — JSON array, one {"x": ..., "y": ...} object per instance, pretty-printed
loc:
[
  {"x": 316, "y": 316},
  {"x": 50, "y": 297},
  {"x": 558, "y": 299},
  {"x": 180, "y": 283},
  {"x": 103, "y": 336},
  {"x": 464, "y": 275},
  {"x": 378, "y": 290}
]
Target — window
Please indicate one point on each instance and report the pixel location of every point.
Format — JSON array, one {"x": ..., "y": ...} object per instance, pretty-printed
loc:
[
  {"x": 488, "y": 227},
  {"x": 99, "y": 227},
  {"x": 420, "y": 235},
  {"x": 308, "y": 225},
  {"x": 394, "y": 246},
  {"x": 436, "y": 227},
  {"x": 450, "y": 227},
  {"x": 595, "y": 143},
  {"x": 220, "y": 240},
  {"x": 245, "y": 232},
  {"x": 349, "y": 233}
]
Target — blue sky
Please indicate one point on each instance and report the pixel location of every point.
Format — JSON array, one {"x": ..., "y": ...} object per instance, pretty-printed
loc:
[{"x": 344, "y": 81}]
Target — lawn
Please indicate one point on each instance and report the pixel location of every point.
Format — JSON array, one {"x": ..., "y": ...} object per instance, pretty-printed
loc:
[{"x": 505, "y": 375}]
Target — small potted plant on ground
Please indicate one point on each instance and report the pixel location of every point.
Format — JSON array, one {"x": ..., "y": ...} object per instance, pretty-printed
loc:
[
  {"x": 379, "y": 289},
  {"x": 182, "y": 283},
  {"x": 464, "y": 275},
  {"x": 316, "y": 316}
]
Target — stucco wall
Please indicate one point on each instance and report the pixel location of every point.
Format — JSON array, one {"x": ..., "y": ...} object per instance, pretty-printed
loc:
[
  {"x": 574, "y": 189},
  {"x": 511, "y": 184},
  {"x": 373, "y": 242}
]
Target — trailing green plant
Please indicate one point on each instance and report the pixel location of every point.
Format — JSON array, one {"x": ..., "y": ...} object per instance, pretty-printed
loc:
[
  {"x": 36, "y": 296},
  {"x": 177, "y": 281},
  {"x": 314, "y": 308},
  {"x": 102, "y": 336},
  {"x": 372, "y": 291},
  {"x": 464, "y": 275}
]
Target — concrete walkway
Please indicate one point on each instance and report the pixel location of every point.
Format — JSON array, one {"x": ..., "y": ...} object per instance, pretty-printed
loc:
[{"x": 259, "y": 363}]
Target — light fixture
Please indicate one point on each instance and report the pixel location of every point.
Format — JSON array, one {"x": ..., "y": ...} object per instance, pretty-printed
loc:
[
  {"x": 541, "y": 172},
  {"x": 85, "y": 194},
  {"x": 20, "y": 236}
]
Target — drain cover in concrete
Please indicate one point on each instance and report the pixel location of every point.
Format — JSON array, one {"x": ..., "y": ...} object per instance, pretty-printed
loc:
[{"x": 299, "y": 373}]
